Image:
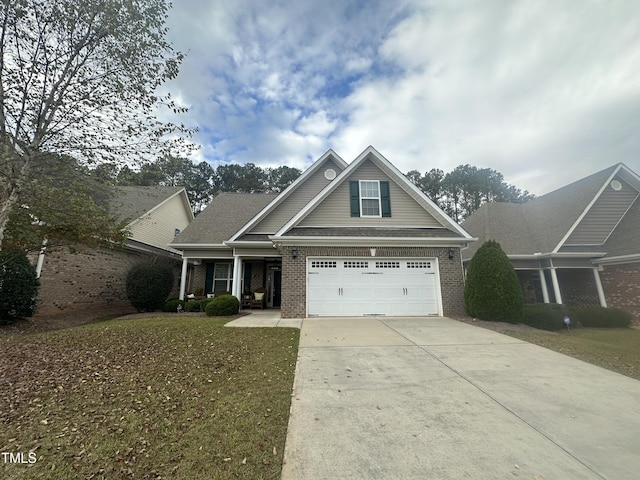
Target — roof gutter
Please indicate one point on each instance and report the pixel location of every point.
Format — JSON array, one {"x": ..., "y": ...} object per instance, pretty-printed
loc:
[{"x": 369, "y": 241}]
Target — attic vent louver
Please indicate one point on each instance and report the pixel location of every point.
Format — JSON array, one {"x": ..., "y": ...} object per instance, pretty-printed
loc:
[
  {"x": 616, "y": 185},
  {"x": 329, "y": 174}
]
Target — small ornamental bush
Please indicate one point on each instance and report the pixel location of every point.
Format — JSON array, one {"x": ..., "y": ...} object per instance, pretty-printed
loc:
[
  {"x": 192, "y": 306},
  {"x": 603, "y": 317},
  {"x": 547, "y": 316},
  {"x": 171, "y": 305},
  {"x": 148, "y": 286},
  {"x": 18, "y": 287},
  {"x": 492, "y": 290},
  {"x": 223, "y": 306},
  {"x": 203, "y": 304}
]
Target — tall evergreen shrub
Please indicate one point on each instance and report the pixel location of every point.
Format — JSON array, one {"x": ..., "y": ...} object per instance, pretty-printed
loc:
[
  {"x": 148, "y": 286},
  {"x": 18, "y": 286},
  {"x": 492, "y": 290}
]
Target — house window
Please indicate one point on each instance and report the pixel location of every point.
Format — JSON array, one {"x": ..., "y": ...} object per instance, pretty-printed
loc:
[
  {"x": 222, "y": 277},
  {"x": 369, "y": 198}
]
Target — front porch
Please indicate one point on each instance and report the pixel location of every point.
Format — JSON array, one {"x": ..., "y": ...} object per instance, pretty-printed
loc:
[
  {"x": 239, "y": 275},
  {"x": 570, "y": 280}
]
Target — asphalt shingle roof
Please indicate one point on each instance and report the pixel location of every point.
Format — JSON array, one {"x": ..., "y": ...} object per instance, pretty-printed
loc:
[
  {"x": 129, "y": 203},
  {"x": 538, "y": 225},
  {"x": 225, "y": 215}
]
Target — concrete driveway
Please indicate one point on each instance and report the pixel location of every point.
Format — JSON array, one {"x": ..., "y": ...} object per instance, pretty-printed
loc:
[{"x": 405, "y": 398}]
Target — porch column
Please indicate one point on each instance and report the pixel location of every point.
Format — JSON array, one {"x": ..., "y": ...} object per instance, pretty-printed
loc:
[
  {"x": 601, "y": 297},
  {"x": 237, "y": 273},
  {"x": 183, "y": 277},
  {"x": 556, "y": 285},
  {"x": 543, "y": 284}
]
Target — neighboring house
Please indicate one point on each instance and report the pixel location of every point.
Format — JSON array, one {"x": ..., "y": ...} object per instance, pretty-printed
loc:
[
  {"x": 90, "y": 278},
  {"x": 345, "y": 240},
  {"x": 578, "y": 245}
]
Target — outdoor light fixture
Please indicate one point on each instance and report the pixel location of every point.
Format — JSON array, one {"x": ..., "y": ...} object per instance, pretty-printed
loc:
[
  {"x": 294, "y": 253},
  {"x": 452, "y": 253}
]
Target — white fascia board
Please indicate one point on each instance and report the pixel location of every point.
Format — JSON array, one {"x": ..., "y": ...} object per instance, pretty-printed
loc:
[
  {"x": 620, "y": 259},
  {"x": 586, "y": 210},
  {"x": 531, "y": 256},
  {"x": 372, "y": 241},
  {"x": 287, "y": 192},
  {"x": 248, "y": 244},
  {"x": 199, "y": 246}
]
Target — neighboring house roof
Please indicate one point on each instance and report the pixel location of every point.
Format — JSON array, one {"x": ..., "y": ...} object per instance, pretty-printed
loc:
[
  {"x": 224, "y": 216},
  {"x": 152, "y": 215},
  {"x": 586, "y": 215},
  {"x": 130, "y": 203}
]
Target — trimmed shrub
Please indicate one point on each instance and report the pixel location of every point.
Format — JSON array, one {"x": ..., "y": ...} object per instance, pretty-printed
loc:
[
  {"x": 547, "y": 316},
  {"x": 223, "y": 306},
  {"x": 192, "y": 306},
  {"x": 171, "y": 305},
  {"x": 601, "y": 317},
  {"x": 492, "y": 290},
  {"x": 203, "y": 304},
  {"x": 148, "y": 286},
  {"x": 18, "y": 287}
]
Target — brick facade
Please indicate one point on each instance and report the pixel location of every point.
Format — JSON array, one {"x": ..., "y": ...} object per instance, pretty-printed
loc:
[
  {"x": 578, "y": 287},
  {"x": 90, "y": 279},
  {"x": 294, "y": 271},
  {"x": 621, "y": 285}
]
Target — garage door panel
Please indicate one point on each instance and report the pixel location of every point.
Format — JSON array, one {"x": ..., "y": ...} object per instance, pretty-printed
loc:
[{"x": 339, "y": 286}]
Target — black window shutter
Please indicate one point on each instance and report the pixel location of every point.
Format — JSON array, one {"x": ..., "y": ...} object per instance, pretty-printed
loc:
[
  {"x": 354, "y": 193},
  {"x": 385, "y": 199}
]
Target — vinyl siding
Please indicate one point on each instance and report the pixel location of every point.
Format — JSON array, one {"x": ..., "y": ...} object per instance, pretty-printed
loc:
[
  {"x": 334, "y": 211},
  {"x": 604, "y": 215},
  {"x": 158, "y": 227},
  {"x": 297, "y": 200}
]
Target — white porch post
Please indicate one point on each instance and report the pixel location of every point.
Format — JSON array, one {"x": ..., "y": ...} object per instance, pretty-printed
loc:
[
  {"x": 556, "y": 285},
  {"x": 601, "y": 297},
  {"x": 183, "y": 277},
  {"x": 237, "y": 273},
  {"x": 543, "y": 284}
]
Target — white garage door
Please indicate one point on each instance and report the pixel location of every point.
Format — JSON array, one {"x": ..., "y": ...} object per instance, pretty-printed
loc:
[{"x": 350, "y": 287}]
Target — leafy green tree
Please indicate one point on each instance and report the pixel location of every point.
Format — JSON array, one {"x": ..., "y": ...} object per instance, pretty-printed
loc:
[
  {"x": 64, "y": 206},
  {"x": 279, "y": 178},
  {"x": 247, "y": 178},
  {"x": 80, "y": 78},
  {"x": 463, "y": 190},
  {"x": 492, "y": 290},
  {"x": 18, "y": 286}
]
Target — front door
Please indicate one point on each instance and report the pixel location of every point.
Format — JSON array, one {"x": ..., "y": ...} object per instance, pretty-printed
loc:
[{"x": 274, "y": 285}]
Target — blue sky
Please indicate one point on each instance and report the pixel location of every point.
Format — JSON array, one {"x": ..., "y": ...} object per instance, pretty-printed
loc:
[{"x": 545, "y": 92}]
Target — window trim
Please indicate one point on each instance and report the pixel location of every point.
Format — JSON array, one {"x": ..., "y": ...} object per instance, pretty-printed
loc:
[
  {"x": 362, "y": 197},
  {"x": 228, "y": 278}
]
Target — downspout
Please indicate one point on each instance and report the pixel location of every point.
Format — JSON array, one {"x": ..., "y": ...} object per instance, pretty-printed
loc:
[{"x": 40, "y": 263}]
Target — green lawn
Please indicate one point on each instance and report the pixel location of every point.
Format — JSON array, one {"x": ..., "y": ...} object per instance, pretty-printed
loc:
[
  {"x": 152, "y": 398},
  {"x": 616, "y": 349}
]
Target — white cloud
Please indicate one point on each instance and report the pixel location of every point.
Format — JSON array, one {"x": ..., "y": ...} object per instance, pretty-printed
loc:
[{"x": 545, "y": 92}]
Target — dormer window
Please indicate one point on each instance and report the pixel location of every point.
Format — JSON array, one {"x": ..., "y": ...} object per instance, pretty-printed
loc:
[{"x": 370, "y": 198}]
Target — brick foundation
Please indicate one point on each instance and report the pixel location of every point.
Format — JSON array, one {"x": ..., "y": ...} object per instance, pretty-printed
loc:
[{"x": 294, "y": 271}]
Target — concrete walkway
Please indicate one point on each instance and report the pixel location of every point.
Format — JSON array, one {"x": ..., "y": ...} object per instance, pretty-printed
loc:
[{"x": 416, "y": 398}]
